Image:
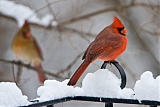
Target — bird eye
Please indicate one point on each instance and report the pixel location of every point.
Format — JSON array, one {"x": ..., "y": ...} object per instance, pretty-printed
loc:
[
  {"x": 23, "y": 33},
  {"x": 120, "y": 30},
  {"x": 26, "y": 34}
]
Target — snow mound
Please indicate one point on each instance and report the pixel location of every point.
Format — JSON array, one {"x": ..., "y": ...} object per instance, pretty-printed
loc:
[
  {"x": 147, "y": 88},
  {"x": 102, "y": 83},
  {"x": 126, "y": 93},
  {"x": 11, "y": 9},
  {"x": 11, "y": 95},
  {"x": 54, "y": 89}
]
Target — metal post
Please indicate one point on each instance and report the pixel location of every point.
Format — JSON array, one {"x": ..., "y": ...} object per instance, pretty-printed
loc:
[
  {"x": 50, "y": 106},
  {"x": 153, "y": 106},
  {"x": 108, "y": 104}
]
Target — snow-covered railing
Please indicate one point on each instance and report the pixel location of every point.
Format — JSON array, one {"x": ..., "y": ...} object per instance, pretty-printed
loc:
[
  {"x": 108, "y": 101},
  {"x": 100, "y": 86}
]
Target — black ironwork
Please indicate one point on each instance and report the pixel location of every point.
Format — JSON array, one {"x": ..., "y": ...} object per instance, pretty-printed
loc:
[
  {"x": 50, "y": 106},
  {"x": 108, "y": 104},
  {"x": 120, "y": 69},
  {"x": 95, "y": 99}
]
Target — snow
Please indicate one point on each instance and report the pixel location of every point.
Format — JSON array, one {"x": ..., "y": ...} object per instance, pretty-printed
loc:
[
  {"x": 11, "y": 9},
  {"x": 11, "y": 95},
  {"x": 54, "y": 89},
  {"x": 102, "y": 83},
  {"x": 126, "y": 93},
  {"x": 46, "y": 19},
  {"x": 54, "y": 23},
  {"x": 147, "y": 88}
]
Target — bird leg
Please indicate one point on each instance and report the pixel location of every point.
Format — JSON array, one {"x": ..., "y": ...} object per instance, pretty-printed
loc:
[
  {"x": 113, "y": 61},
  {"x": 108, "y": 62}
]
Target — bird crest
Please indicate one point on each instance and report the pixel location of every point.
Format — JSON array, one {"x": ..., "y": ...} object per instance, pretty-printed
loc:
[
  {"x": 26, "y": 29},
  {"x": 117, "y": 23}
]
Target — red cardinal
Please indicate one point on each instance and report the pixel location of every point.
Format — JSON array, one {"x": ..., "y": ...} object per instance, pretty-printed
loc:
[
  {"x": 108, "y": 45},
  {"x": 25, "y": 48}
]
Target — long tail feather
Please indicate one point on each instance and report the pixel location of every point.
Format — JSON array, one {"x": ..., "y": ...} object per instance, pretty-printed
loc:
[
  {"x": 78, "y": 73},
  {"x": 41, "y": 76}
]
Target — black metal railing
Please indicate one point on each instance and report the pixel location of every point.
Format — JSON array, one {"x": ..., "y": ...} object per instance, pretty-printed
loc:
[{"x": 108, "y": 101}]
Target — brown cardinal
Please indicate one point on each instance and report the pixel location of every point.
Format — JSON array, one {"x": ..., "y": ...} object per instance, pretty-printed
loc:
[
  {"x": 26, "y": 49},
  {"x": 107, "y": 46}
]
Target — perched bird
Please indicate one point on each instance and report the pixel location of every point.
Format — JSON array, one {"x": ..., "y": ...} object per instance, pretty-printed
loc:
[
  {"x": 26, "y": 49},
  {"x": 108, "y": 45}
]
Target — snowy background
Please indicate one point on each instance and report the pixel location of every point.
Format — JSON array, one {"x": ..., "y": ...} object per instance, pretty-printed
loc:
[{"x": 64, "y": 28}]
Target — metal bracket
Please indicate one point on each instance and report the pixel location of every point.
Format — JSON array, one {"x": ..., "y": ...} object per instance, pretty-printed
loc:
[{"x": 120, "y": 69}]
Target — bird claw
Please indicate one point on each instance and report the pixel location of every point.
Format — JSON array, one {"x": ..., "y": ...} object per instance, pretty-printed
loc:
[
  {"x": 112, "y": 62},
  {"x": 108, "y": 62}
]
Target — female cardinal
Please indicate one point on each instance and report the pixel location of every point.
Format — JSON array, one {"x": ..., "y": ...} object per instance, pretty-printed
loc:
[
  {"x": 25, "y": 48},
  {"x": 107, "y": 46}
]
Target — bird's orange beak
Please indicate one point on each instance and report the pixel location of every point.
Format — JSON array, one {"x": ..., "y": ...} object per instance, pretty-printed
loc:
[
  {"x": 28, "y": 35},
  {"x": 124, "y": 31}
]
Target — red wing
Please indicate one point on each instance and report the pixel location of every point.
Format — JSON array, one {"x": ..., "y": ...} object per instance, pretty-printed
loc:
[
  {"x": 103, "y": 44},
  {"x": 85, "y": 53},
  {"x": 103, "y": 47}
]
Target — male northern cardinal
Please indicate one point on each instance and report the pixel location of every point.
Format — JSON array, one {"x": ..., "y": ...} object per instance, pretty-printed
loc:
[
  {"x": 25, "y": 48},
  {"x": 107, "y": 46}
]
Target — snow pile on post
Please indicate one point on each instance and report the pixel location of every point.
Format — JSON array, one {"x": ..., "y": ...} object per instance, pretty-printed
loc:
[
  {"x": 16, "y": 11},
  {"x": 102, "y": 83},
  {"x": 147, "y": 88},
  {"x": 11, "y": 95},
  {"x": 54, "y": 89},
  {"x": 98, "y": 84}
]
